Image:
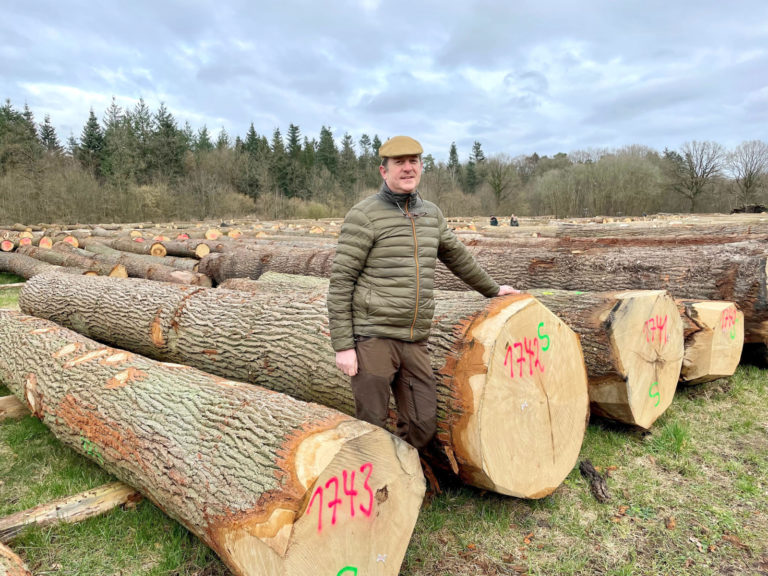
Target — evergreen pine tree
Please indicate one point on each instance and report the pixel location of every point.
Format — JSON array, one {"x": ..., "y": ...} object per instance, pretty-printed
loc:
[
  {"x": 294, "y": 141},
  {"x": 327, "y": 153},
  {"x": 222, "y": 141},
  {"x": 91, "y": 147},
  {"x": 203, "y": 141},
  {"x": 48, "y": 137}
]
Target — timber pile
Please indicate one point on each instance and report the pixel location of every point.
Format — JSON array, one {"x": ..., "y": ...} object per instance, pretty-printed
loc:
[
  {"x": 27, "y": 267},
  {"x": 258, "y": 476},
  {"x": 492, "y": 358},
  {"x": 734, "y": 272}
]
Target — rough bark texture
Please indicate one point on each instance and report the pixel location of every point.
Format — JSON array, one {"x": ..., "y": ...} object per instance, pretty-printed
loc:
[
  {"x": 137, "y": 267},
  {"x": 633, "y": 349},
  {"x": 279, "y": 339},
  {"x": 92, "y": 248},
  {"x": 26, "y": 267},
  {"x": 70, "y": 509},
  {"x": 238, "y": 465},
  {"x": 11, "y": 564},
  {"x": 73, "y": 260},
  {"x": 733, "y": 272}
]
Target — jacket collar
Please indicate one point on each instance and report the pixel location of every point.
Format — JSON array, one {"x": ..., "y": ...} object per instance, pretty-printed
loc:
[{"x": 399, "y": 200}]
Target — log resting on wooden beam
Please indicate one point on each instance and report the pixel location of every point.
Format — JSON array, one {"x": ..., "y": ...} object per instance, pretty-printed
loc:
[
  {"x": 714, "y": 338},
  {"x": 633, "y": 349},
  {"x": 512, "y": 393},
  {"x": 259, "y": 476}
]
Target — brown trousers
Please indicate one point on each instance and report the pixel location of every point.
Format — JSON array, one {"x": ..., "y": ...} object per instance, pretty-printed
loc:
[{"x": 403, "y": 368}]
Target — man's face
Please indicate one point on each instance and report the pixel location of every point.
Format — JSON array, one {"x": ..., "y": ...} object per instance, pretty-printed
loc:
[{"x": 402, "y": 174}]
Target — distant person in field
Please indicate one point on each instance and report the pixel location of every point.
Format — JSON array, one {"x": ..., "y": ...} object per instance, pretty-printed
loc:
[
  {"x": 513, "y": 221},
  {"x": 380, "y": 300},
  {"x": 494, "y": 221}
]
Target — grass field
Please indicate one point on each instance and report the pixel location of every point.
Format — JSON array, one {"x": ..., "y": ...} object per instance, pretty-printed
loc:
[{"x": 688, "y": 497}]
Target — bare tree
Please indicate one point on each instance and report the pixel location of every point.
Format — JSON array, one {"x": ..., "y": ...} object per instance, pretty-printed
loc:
[
  {"x": 748, "y": 164},
  {"x": 500, "y": 175},
  {"x": 692, "y": 171}
]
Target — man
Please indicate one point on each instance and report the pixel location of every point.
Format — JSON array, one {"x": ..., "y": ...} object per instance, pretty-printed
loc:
[{"x": 380, "y": 302}]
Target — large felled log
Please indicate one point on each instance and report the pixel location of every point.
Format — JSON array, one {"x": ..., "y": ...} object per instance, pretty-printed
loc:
[
  {"x": 11, "y": 564},
  {"x": 733, "y": 272},
  {"x": 274, "y": 485},
  {"x": 69, "y": 509},
  {"x": 493, "y": 359},
  {"x": 633, "y": 349},
  {"x": 106, "y": 250},
  {"x": 137, "y": 267},
  {"x": 27, "y": 267},
  {"x": 74, "y": 260},
  {"x": 714, "y": 338},
  {"x": 127, "y": 244}
]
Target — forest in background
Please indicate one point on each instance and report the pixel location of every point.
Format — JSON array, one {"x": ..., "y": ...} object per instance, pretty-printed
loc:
[{"x": 136, "y": 165}]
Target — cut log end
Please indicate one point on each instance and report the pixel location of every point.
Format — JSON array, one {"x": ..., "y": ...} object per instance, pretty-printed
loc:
[
  {"x": 714, "y": 351},
  {"x": 647, "y": 335},
  {"x": 364, "y": 489},
  {"x": 157, "y": 249},
  {"x": 531, "y": 406},
  {"x": 202, "y": 250}
]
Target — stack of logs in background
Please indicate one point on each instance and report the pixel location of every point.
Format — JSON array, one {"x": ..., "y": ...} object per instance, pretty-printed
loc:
[{"x": 198, "y": 355}]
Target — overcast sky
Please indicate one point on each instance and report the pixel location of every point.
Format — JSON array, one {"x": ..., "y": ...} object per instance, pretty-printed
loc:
[{"x": 517, "y": 76}]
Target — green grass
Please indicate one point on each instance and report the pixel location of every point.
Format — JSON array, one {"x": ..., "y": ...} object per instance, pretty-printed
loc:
[
  {"x": 690, "y": 497},
  {"x": 9, "y": 297}
]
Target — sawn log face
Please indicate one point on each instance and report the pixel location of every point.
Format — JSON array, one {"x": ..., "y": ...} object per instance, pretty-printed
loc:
[{"x": 236, "y": 464}]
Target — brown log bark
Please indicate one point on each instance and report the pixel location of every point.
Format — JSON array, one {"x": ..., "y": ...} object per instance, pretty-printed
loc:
[
  {"x": 489, "y": 357},
  {"x": 70, "y": 259},
  {"x": 70, "y": 509},
  {"x": 258, "y": 476},
  {"x": 187, "y": 248},
  {"x": 27, "y": 267},
  {"x": 11, "y": 564},
  {"x": 92, "y": 248},
  {"x": 733, "y": 272},
  {"x": 126, "y": 244},
  {"x": 137, "y": 267},
  {"x": 633, "y": 349},
  {"x": 714, "y": 339}
]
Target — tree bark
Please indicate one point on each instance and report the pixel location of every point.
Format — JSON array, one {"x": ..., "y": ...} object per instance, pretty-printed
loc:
[
  {"x": 26, "y": 267},
  {"x": 733, "y": 272},
  {"x": 714, "y": 339},
  {"x": 489, "y": 356},
  {"x": 138, "y": 267},
  {"x": 11, "y": 564},
  {"x": 127, "y": 244},
  {"x": 71, "y": 259},
  {"x": 633, "y": 349},
  {"x": 70, "y": 509},
  {"x": 272, "y": 484},
  {"x": 190, "y": 264}
]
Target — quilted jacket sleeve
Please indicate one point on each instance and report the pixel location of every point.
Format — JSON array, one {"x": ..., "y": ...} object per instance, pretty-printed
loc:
[
  {"x": 460, "y": 261},
  {"x": 355, "y": 241}
]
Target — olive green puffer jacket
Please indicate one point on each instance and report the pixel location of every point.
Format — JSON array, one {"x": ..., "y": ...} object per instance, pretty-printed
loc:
[{"x": 383, "y": 273}]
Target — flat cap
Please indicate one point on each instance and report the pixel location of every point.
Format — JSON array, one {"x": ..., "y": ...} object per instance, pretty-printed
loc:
[{"x": 400, "y": 146}]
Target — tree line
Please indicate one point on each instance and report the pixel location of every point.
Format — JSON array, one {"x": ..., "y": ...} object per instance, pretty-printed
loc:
[{"x": 136, "y": 164}]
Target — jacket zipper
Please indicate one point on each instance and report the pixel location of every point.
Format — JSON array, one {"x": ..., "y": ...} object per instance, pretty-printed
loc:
[{"x": 416, "y": 259}]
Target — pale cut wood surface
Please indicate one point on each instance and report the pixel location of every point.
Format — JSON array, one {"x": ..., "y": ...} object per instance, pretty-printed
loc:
[
  {"x": 714, "y": 339},
  {"x": 11, "y": 408},
  {"x": 256, "y": 475},
  {"x": 279, "y": 339},
  {"x": 11, "y": 564}
]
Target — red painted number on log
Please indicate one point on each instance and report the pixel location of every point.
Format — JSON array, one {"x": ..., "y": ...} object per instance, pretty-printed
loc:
[
  {"x": 655, "y": 325},
  {"x": 520, "y": 352},
  {"x": 728, "y": 322},
  {"x": 348, "y": 489}
]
